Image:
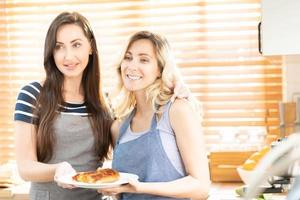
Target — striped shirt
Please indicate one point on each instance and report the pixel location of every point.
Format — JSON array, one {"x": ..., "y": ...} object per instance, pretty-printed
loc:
[{"x": 26, "y": 105}]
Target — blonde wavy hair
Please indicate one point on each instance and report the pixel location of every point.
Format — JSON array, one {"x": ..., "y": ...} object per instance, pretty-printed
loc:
[{"x": 160, "y": 92}]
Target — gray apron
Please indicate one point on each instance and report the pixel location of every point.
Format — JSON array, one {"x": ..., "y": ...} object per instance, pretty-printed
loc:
[
  {"x": 74, "y": 144},
  {"x": 146, "y": 157}
]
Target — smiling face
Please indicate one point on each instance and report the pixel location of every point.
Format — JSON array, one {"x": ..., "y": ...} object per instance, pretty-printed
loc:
[
  {"x": 72, "y": 50},
  {"x": 139, "y": 67}
]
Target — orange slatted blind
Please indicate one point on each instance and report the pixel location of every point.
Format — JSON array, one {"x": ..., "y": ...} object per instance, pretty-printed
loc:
[{"x": 215, "y": 43}]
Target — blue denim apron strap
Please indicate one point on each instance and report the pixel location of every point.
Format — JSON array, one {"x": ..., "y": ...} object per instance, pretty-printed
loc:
[
  {"x": 146, "y": 157},
  {"x": 125, "y": 125}
]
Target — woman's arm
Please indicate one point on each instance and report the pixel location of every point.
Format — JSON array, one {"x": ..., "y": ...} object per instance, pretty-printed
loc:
[
  {"x": 187, "y": 128},
  {"x": 189, "y": 137},
  {"x": 29, "y": 168},
  {"x": 181, "y": 91}
]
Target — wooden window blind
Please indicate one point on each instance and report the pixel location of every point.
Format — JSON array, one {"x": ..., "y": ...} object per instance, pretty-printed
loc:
[{"x": 215, "y": 43}]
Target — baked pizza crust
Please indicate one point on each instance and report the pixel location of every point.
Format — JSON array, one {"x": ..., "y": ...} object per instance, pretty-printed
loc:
[{"x": 106, "y": 175}]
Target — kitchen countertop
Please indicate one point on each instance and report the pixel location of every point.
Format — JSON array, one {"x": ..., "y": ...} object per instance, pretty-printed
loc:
[
  {"x": 224, "y": 191},
  {"x": 19, "y": 192},
  {"x": 219, "y": 191}
]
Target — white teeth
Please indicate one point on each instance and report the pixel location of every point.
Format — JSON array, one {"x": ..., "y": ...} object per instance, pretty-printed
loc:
[
  {"x": 133, "y": 77},
  {"x": 71, "y": 65}
]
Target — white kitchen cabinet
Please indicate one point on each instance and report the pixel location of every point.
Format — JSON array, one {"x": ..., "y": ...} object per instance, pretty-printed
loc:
[{"x": 280, "y": 27}]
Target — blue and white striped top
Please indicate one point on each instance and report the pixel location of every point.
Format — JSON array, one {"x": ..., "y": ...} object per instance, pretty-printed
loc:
[{"x": 26, "y": 105}]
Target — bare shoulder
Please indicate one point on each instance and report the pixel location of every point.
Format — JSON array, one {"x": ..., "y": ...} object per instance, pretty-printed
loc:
[
  {"x": 115, "y": 128},
  {"x": 181, "y": 107},
  {"x": 183, "y": 111}
]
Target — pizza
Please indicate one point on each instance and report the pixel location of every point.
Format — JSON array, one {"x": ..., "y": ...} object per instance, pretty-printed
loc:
[{"x": 105, "y": 175}]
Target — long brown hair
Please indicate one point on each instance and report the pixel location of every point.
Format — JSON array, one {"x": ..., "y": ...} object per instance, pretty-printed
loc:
[{"x": 51, "y": 93}]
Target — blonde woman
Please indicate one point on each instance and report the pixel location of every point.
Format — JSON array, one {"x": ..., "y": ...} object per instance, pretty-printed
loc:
[{"x": 159, "y": 140}]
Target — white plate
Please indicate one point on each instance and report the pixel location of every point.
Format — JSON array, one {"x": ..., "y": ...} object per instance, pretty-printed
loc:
[{"x": 67, "y": 179}]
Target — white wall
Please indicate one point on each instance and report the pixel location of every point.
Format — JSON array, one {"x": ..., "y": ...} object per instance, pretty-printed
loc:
[{"x": 291, "y": 77}]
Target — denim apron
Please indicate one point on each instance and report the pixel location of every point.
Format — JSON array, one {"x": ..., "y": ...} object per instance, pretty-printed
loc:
[
  {"x": 145, "y": 157},
  {"x": 74, "y": 144}
]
